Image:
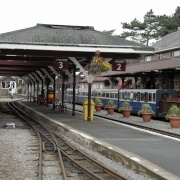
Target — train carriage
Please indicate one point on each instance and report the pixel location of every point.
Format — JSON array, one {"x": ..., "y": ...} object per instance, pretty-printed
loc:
[{"x": 136, "y": 97}]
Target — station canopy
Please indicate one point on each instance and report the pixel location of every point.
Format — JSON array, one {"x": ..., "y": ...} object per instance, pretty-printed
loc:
[{"x": 27, "y": 50}]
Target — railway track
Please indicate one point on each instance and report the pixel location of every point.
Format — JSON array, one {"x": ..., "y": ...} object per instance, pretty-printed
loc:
[{"x": 59, "y": 159}]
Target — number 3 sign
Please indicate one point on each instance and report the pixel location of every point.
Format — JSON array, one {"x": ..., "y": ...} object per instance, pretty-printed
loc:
[
  {"x": 60, "y": 65},
  {"x": 118, "y": 66}
]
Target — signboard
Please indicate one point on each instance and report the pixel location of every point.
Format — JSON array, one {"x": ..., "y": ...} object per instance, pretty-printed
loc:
[
  {"x": 118, "y": 66},
  {"x": 60, "y": 65}
]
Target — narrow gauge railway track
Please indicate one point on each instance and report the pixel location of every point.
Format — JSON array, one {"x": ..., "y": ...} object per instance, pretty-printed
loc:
[
  {"x": 5, "y": 109},
  {"x": 170, "y": 134},
  {"x": 73, "y": 162}
]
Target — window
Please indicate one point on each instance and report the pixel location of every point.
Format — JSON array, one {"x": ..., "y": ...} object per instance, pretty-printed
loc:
[
  {"x": 5, "y": 85},
  {"x": 176, "y": 53},
  {"x": 146, "y": 97},
  {"x": 147, "y": 58},
  {"x": 111, "y": 95},
  {"x": 138, "y": 96},
  {"x": 135, "y": 96},
  {"x": 142, "y": 97},
  {"x": 107, "y": 94}
]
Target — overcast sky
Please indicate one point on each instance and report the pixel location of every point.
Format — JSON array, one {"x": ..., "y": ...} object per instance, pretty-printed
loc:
[{"x": 102, "y": 14}]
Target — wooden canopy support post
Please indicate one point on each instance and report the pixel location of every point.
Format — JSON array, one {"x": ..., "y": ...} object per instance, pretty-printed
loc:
[
  {"x": 42, "y": 89},
  {"x": 54, "y": 86},
  {"x": 62, "y": 103},
  {"x": 42, "y": 80},
  {"x": 74, "y": 86},
  {"x": 123, "y": 82}
]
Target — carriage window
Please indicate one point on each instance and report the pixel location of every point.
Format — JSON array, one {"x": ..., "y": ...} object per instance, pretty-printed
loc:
[
  {"x": 142, "y": 97},
  {"x": 128, "y": 95},
  {"x": 125, "y": 95},
  {"x": 166, "y": 95},
  {"x": 138, "y": 96},
  {"x": 107, "y": 94},
  {"x": 131, "y": 96},
  {"x": 111, "y": 95},
  {"x": 135, "y": 96},
  {"x": 150, "y": 97},
  {"x": 103, "y": 94},
  {"x": 116, "y": 95},
  {"x": 95, "y": 93},
  {"x": 122, "y": 97},
  {"x": 146, "y": 97},
  {"x": 154, "y": 97}
]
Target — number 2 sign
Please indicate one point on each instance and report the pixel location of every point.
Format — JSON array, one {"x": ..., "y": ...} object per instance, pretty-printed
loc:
[
  {"x": 118, "y": 66},
  {"x": 60, "y": 65}
]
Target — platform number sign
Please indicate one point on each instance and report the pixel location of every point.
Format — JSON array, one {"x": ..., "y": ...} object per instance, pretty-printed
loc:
[
  {"x": 60, "y": 65},
  {"x": 118, "y": 66}
]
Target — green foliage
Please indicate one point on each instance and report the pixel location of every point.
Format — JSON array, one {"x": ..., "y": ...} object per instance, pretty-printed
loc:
[
  {"x": 110, "y": 32},
  {"x": 63, "y": 76},
  {"x": 98, "y": 102},
  {"x": 174, "y": 111},
  {"x": 146, "y": 108},
  {"x": 106, "y": 83},
  {"x": 153, "y": 27},
  {"x": 112, "y": 80},
  {"x": 110, "y": 104},
  {"x": 125, "y": 106}
]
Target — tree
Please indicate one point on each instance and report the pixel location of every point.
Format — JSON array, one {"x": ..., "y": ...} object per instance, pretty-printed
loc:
[
  {"x": 110, "y": 32},
  {"x": 111, "y": 81},
  {"x": 142, "y": 32},
  {"x": 152, "y": 28}
]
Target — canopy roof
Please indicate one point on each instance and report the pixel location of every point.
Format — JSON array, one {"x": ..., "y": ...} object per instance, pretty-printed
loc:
[{"x": 27, "y": 50}]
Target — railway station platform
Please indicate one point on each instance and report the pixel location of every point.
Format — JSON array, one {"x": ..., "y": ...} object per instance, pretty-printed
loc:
[{"x": 156, "y": 153}]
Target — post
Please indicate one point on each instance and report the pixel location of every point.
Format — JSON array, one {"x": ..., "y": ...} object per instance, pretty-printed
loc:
[
  {"x": 74, "y": 86},
  {"x": 89, "y": 101}
]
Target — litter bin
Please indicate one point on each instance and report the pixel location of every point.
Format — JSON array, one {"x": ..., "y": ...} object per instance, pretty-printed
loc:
[{"x": 85, "y": 109}]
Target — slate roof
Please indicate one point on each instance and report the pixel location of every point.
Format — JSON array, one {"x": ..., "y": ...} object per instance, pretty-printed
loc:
[
  {"x": 64, "y": 35},
  {"x": 168, "y": 42}
]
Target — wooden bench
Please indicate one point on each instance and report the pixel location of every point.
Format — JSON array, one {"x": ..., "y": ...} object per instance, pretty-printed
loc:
[{"x": 57, "y": 104}]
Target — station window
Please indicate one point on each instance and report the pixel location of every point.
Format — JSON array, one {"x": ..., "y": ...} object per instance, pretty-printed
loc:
[
  {"x": 5, "y": 85},
  {"x": 147, "y": 58},
  {"x": 176, "y": 53}
]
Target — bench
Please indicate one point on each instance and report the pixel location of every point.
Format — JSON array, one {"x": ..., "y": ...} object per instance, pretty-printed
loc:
[{"x": 57, "y": 104}]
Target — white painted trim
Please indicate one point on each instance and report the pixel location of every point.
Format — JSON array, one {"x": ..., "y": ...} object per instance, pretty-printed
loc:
[{"x": 108, "y": 49}]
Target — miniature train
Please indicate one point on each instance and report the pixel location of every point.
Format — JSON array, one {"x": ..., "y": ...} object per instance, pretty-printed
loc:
[{"x": 159, "y": 99}]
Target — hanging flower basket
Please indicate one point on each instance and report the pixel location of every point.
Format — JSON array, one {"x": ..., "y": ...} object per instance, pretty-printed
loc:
[{"x": 98, "y": 66}]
